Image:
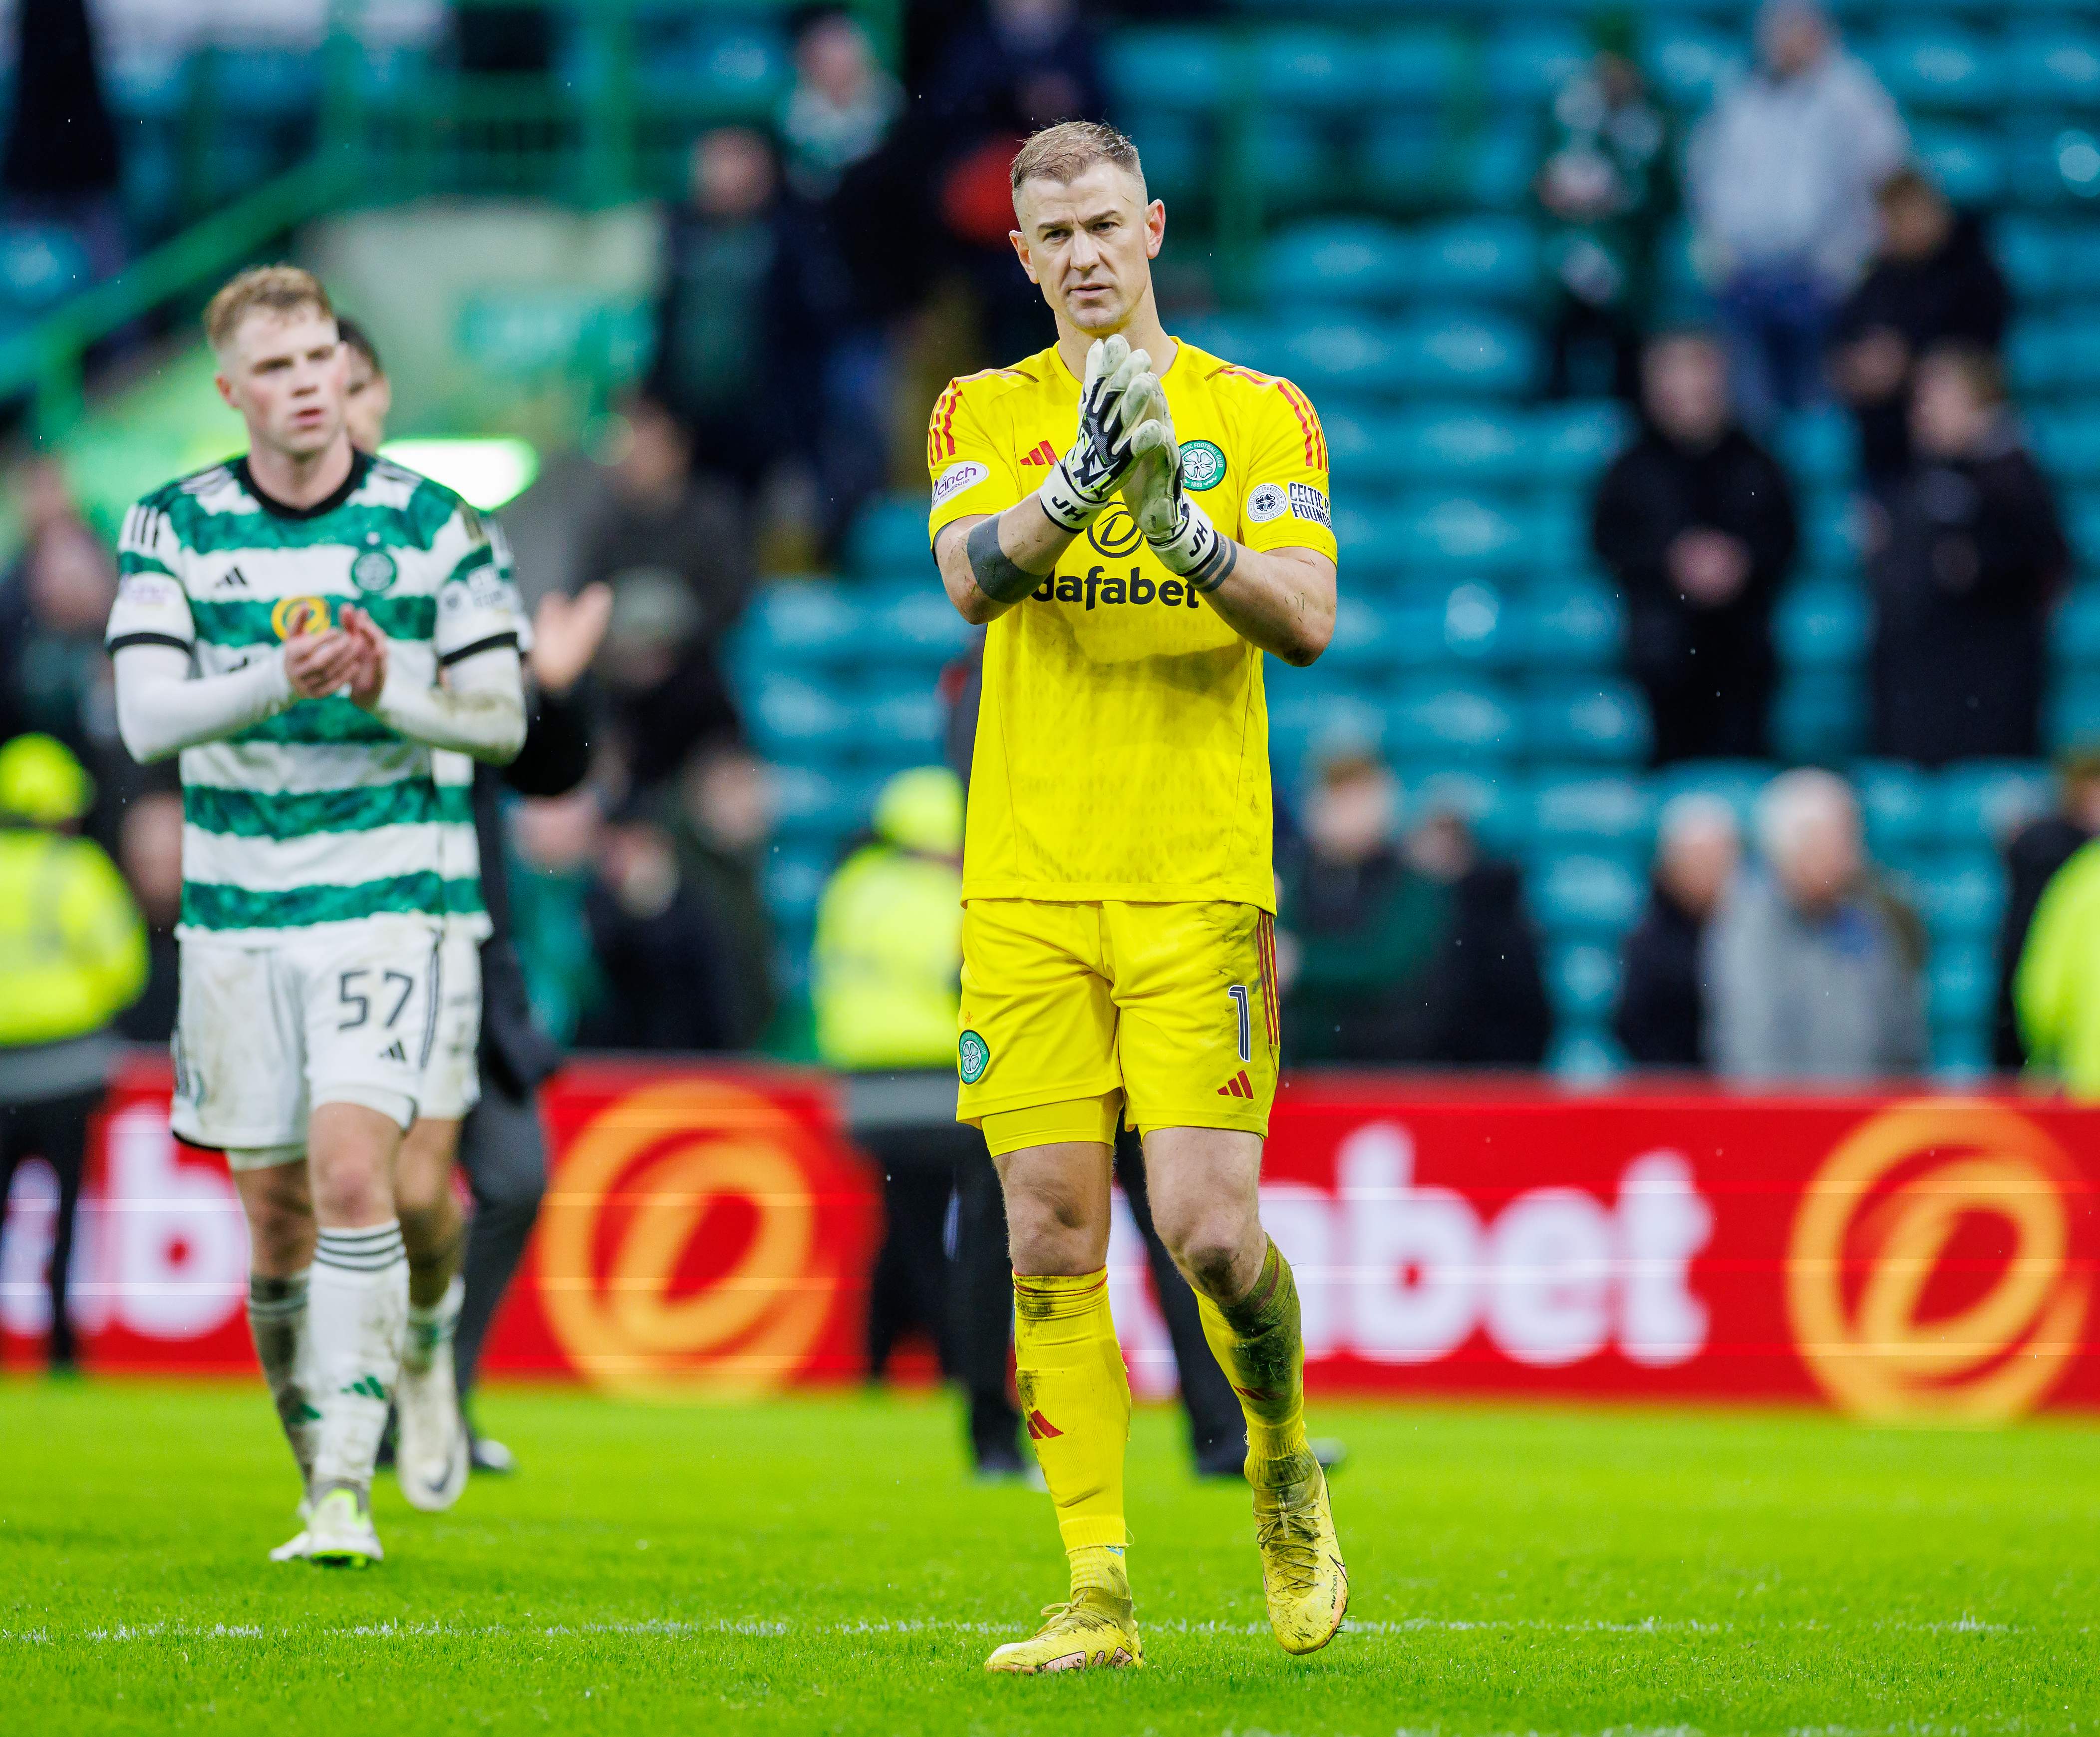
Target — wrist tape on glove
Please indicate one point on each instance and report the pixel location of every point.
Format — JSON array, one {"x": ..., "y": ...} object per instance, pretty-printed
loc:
[
  {"x": 1196, "y": 550},
  {"x": 1065, "y": 504}
]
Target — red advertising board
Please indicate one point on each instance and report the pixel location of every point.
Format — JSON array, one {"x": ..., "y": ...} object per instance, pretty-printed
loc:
[{"x": 1921, "y": 1255}]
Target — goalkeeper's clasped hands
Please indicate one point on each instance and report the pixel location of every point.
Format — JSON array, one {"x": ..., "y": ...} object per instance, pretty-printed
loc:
[{"x": 1126, "y": 444}]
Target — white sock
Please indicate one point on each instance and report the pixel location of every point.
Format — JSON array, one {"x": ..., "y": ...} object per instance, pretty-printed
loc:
[
  {"x": 277, "y": 1320},
  {"x": 357, "y": 1313},
  {"x": 430, "y": 1327}
]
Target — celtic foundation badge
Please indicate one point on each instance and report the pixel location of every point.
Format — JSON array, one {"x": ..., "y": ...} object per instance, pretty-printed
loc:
[{"x": 1202, "y": 465}]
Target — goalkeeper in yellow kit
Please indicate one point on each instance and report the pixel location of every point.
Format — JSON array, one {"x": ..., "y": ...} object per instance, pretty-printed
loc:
[{"x": 1138, "y": 522}]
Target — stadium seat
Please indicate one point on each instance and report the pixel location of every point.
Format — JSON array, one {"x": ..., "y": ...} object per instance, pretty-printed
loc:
[
  {"x": 1585, "y": 1054},
  {"x": 900, "y": 724},
  {"x": 1983, "y": 802},
  {"x": 2052, "y": 160},
  {"x": 1529, "y": 60},
  {"x": 1900, "y": 805},
  {"x": 1961, "y": 983},
  {"x": 1572, "y": 624},
  {"x": 889, "y": 538},
  {"x": 1459, "y": 444},
  {"x": 793, "y": 881},
  {"x": 1167, "y": 68},
  {"x": 1355, "y": 353},
  {"x": 1579, "y": 718},
  {"x": 2027, "y": 251},
  {"x": 1819, "y": 714},
  {"x": 1690, "y": 62},
  {"x": 914, "y": 623},
  {"x": 2067, "y": 442},
  {"x": 1290, "y": 152},
  {"x": 1176, "y": 147},
  {"x": 1493, "y": 258},
  {"x": 2052, "y": 63},
  {"x": 1307, "y": 721},
  {"x": 800, "y": 621},
  {"x": 1591, "y": 895},
  {"x": 2074, "y": 636},
  {"x": 793, "y": 719},
  {"x": 1959, "y": 895},
  {"x": 1406, "y": 158},
  {"x": 1473, "y": 626},
  {"x": 1962, "y": 1053},
  {"x": 40, "y": 265},
  {"x": 1493, "y": 167},
  {"x": 1822, "y": 624},
  {"x": 1582, "y": 980},
  {"x": 1363, "y": 646},
  {"x": 1491, "y": 803},
  {"x": 1819, "y": 447},
  {"x": 2072, "y": 715},
  {"x": 1412, "y": 63},
  {"x": 1468, "y": 533},
  {"x": 1348, "y": 260},
  {"x": 1366, "y": 445},
  {"x": 1462, "y": 353},
  {"x": 1309, "y": 67},
  {"x": 1573, "y": 442},
  {"x": 1449, "y": 720},
  {"x": 263, "y": 85},
  {"x": 812, "y": 804},
  {"x": 1970, "y": 164},
  {"x": 1583, "y": 809},
  {"x": 1738, "y": 783},
  {"x": 1830, "y": 530},
  {"x": 1936, "y": 65}
]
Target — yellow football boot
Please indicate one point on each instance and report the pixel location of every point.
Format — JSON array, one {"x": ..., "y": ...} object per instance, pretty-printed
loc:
[
  {"x": 1093, "y": 1630},
  {"x": 1301, "y": 1563}
]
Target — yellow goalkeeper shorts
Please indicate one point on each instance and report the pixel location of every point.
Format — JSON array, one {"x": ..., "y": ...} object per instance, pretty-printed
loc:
[{"x": 1172, "y": 1006}]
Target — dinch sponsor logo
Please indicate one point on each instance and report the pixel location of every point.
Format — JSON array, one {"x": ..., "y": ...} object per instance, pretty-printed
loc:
[{"x": 958, "y": 477}]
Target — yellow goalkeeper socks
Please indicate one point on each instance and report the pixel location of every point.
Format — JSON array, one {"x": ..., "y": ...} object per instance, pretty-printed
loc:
[
  {"x": 1258, "y": 1346},
  {"x": 1075, "y": 1399}
]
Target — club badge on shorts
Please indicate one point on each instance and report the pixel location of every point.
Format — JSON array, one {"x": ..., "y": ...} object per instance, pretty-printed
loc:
[{"x": 973, "y": 1054}]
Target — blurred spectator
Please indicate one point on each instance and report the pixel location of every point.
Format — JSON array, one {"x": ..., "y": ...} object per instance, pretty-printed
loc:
[
  {"x": 1972, "y": 554},
  {"x": 1610, "y": 185},
  {"x": 1933, "y": 281},
  {"x": 1696, "y": 521},
  {"x": 2033, "y": 854},
  {"x": 671, "y": 544},
  {"x": 1806, "y": 977},
  {"x": 60, "y": 164},
  {"x": 556, "y": 840},
  {"x": 1415, "y": 952},
  {"x": 885, "y": 982},
  {"x": 664, "y": 972},
  {"x": 2058, "y": 986},
  {"x": 1662, "y": 1016},
  {"x": 723, "y": 820},
  {"x": 753, "y": 296},
  {"x": 54, "y": 676},
  {"x": 842, "y": 105},
  {"x": 72, "y": 956},
  {"x": 1781, "y": 178},
  {"x": 150, "y": 847}
]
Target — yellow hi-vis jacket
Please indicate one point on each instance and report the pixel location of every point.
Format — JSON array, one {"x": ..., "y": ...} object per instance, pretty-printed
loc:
[
  {"x": 2056, "y": 992},
  {"x": 73, "y": 947},
  {"x": 885, "y": 973}
]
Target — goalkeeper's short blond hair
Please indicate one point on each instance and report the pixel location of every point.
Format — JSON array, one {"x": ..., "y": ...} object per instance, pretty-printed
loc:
[
  {"x": 1063, "y": 153},
  {"x": 279, "y": 289}
]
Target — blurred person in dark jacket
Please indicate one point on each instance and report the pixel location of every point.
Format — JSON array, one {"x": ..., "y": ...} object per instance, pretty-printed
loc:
[
  {"x": 1410, "y": 951},
  {"x": 1968, "y": 563},
  {"x": 150, "y": 851},
  {"x": 61, "y": 163},
  {"x": 723, "y": 820},
  {"x": 2033, "y": 854},
  {"x": 1661, "y": 1014},
  {"x": 54, "y": 676},
  {"x": 1696, "y": 521},
  {"x": 663, "y": 966},
  {"x": 1933, "y": 281},
  {"x": 72, "y": 956},
  {"x": 841, "y": 106}
]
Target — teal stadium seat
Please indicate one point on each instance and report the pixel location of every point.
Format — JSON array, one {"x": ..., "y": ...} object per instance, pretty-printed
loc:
[
  {"x": 1308, "y": 719},
  {"x": 1466, "y": 353},
  {"x": 1347, "y": 260},
  {"x": 1586, "y": 895},
  {"x": 1339, "y": 352},
  {"x": 793, "y": 881},
  {"x": 898, "y": 722},
  {"x": 1819, "y": 714},
  {"x": 1830, "y": 529},
  {"x": 1413, "y": 64},
  {"x": 1819, "y": 447},
  {"x": 2052, "y": 63},
  {"x": 1310, "y": 68},
  {"x": 1292, "y": 151},
  {"x": 1175, "y": 148},
  {"x": 1459, "y": 444},
  {"x": 1584, "y": 809},
  {"x": 1970, "y": 164},
  {"x": 1900, "y": 805},
  {"x": 1584, "y": 1053},
  {"x": 1582, "y": 980},
  {"x": 2075, "y": 635},
  {"x": 1690, "y": 61},
  {"x": 1935, "y": 64},
  {"x": 1486, "y": 258},
  {"x": 1823, "y": 625},
  {"x": 1578, "y": 718},
  {"x": 1184, "y": 68},
  {"x": 1432, "y": 627},
  {"x": 1961, "y": 985},
  {"x": 1572, "y": 624},
  {"x": 2072, "y": 714},
  {"x": 728, "y": 65},
  {"x": 889, "y": 538},
  {"x": 263, "y": 86},
  {"x": 2052, "y": 160},
  {"x": 1363, "y": 645},
  {"x": 1492, "y": 804},
  {"x": 2026, "y": 248},
  {"x": 2067, "y": 441},
  {"x": 1527, "y": 61},
  {"x": 792, "y": 718},
  {"x": 1983, "y": 802},
  {"x": 1960, "y": 895},
  {"x": 1472, "y": 534},
  {"x": 793, "y": 621},
  {"x": 1451, "y": 720},
  {"x": 1494, "y": 165},
  {"x": 821, "y": 804},
  {"x": 916, "y": 624},
  {"x": 1738, "y": 783},
  {"x": 1962, "y": 1053},
  {"x": 1573, "y": 443}
]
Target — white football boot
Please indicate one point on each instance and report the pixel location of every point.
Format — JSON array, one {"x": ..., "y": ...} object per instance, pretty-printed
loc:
[
  {"x": 340, "y": 1534},
  {"x": 431, "y": 1455},
  {"x": 296, "y": 1547}
]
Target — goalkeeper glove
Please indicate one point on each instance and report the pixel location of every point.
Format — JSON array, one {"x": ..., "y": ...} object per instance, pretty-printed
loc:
[
  {"x": 1178, "y": 531},
  {"x": 1083, "y": 482}
]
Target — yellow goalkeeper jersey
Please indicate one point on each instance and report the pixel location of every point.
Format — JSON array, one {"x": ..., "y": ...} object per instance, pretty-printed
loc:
[{"x": 1122, "y": 744}]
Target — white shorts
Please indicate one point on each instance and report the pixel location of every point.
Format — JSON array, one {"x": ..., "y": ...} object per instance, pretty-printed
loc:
[
  {"x": 451, "y": 1081},
  {"x": 344, "y": 1015}
]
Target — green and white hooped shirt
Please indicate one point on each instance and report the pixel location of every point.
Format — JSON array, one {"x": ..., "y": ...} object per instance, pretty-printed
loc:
[{"x": 321, "y": 813}]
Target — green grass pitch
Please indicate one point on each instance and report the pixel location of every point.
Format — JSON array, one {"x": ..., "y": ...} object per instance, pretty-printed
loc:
[{"x": 824, "y": 1564}]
